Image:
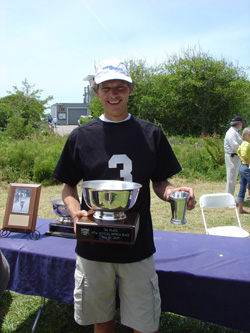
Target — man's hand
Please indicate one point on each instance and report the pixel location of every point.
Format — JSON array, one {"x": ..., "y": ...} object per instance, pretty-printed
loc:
[
  {"x": 191, "y": 201},
  {"x": 164, "y": 188},
  {"x": 81, "y": 213}
]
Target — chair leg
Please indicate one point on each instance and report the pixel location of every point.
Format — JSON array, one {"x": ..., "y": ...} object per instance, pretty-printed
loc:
[{"x": 38, "y": 314}]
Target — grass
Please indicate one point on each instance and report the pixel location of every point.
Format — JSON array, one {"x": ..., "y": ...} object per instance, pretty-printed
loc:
[{"x": 18, "y": 312}]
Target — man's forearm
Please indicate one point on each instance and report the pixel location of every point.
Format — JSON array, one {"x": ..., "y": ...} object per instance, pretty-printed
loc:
[
  {"x": 71, "y": 199},
  {"x": 162, "y": 188}
]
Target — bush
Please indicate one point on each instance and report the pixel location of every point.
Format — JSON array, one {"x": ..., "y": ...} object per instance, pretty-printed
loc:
[
  {"x": 34, "y": 159},
  {"x": 43, "y": 171},
  {"x": 201, "y": 158},
  {"x": 45, "y": 164},
  {"x": 31, "y": 159},
  {"x": 84, "y": 120}
]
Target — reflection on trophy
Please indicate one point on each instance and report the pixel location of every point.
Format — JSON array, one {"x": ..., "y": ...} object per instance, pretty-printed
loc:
[{"x": 112, "y": 222}]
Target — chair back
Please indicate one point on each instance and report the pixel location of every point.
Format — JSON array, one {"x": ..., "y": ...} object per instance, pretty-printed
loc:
[{"x": 217, "y": 200}]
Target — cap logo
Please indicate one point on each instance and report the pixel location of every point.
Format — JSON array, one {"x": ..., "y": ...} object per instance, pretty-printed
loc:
[{"x": 107, "y": 71}]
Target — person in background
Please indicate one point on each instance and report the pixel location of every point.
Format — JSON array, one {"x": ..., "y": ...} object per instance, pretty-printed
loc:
[
  {"x": 248, "y": 190},
  {"x": 117, "y": 146},
  {"x": 244, "y": 153},
  {"x": 232, "y": 142},
  {"x": 50, "y": 119},
  {"x": 55, "y": 121},
  {"x": 4, "y": 273}
]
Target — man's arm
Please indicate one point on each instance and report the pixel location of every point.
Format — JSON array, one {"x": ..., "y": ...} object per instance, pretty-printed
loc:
[
  {"x": 71, "y": 200},
  {"x": 164, "y": 188}
]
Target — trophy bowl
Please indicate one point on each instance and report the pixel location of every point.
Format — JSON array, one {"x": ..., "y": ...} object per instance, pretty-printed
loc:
[
  {"x": 110, "y": 198},
  {"x": 61, "y": 211}
]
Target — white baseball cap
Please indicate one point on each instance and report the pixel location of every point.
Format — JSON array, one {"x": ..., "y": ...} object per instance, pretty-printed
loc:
[{"x": 112, "y": 70}]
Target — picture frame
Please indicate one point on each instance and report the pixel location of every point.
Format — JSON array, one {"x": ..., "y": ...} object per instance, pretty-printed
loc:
[{"x": 22, "y": 207}]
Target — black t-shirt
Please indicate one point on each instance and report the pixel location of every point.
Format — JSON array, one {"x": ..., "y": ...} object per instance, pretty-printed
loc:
[{"x": 133, "y": 150}]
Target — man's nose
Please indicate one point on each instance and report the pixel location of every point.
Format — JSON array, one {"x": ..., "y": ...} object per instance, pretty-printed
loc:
[{"x": 113, "y": 91}]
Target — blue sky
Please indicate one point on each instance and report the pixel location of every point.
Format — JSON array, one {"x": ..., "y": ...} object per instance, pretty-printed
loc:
[{"x": 55, "y": 43}]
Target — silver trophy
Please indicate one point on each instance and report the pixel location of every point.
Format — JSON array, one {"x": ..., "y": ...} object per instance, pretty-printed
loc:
[
  {"x": 112, "y": 221},
  {"x": 178, "y": 201},
  {"x": 63, "y": 226}
]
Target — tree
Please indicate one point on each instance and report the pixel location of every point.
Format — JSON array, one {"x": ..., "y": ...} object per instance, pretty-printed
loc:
[
  {"x": 191, "y": 94},
  {"x": 25, "y": 104},
  {"x": 206, "y": 93}
]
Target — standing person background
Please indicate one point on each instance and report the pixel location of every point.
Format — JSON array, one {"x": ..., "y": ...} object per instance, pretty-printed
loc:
[
  {"x": 232, "y": 142},
  {"x": 55, "y": 121},
  {"x": 117, "y": 146},
  {"x": 244, "y": 153},
  {"x": 50, "y": 119}
]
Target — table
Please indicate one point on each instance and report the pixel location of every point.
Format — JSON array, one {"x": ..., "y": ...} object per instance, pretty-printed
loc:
[{"x": 200, "y": 276}]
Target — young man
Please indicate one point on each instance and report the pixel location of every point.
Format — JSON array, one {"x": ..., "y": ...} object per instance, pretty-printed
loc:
[{"x": 117, "y": 146}]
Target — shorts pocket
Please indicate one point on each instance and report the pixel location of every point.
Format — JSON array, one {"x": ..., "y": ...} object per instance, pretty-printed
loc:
[
  {"x": 78, "y": 295},
  {"x": 156, "y": 296},
  {"x": 79, "y": 277}
]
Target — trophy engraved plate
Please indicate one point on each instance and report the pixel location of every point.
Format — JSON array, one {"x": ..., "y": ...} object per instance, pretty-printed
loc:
[{"x": 90, "y": 229}]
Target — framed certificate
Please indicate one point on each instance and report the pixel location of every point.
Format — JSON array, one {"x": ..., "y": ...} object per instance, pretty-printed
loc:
[{"x": 21, "y": 208}]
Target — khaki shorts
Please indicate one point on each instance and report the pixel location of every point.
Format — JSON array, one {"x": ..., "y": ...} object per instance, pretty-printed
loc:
[{"x": 95, "y": 293}]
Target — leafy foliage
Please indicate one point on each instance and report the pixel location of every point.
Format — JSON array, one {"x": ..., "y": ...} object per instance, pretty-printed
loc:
[
  {"x": 30, "y": 159},
  {"x": 34, "y": 158},
  {"x": 189, "y": 95},
  {"x": 84, "y": 120},
  {"x": 22, "y": 110}
]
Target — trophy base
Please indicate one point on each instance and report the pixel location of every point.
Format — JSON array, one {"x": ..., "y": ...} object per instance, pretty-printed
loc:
[
  {"x": 178, "y": 222},
  {"x": 58, "y": 229},
  {"x": 90, "y": 229}
]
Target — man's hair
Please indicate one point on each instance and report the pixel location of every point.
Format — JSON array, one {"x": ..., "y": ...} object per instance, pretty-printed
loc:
[{"x": 95, "y": 86}]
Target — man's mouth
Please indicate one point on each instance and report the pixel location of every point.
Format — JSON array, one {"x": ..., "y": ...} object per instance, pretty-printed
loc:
[{"x": 114, "y": 102}]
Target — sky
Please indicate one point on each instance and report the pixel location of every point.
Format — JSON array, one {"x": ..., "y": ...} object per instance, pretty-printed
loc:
[{"x": 55, "y": 44}]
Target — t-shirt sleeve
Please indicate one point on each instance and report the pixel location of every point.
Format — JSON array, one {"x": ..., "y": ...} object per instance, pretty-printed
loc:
[
  {"x": 167, "y": 163},
  {"x": 68, "y": 168}
]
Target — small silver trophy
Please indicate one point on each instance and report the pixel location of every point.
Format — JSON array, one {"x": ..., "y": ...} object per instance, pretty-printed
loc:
[{"x": 178, "y": 201}]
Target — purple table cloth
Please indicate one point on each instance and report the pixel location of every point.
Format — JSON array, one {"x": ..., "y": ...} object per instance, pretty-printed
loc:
[{"x": 200, "y": 276}]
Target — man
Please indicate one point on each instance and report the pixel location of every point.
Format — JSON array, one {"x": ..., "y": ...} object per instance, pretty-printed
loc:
[
  {"x": 117, "y": 146},
  {"x": 232, "y": 142}
]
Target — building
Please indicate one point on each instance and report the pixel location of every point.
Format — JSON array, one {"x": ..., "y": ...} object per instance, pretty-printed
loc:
[{"x": 69, "y": 113}]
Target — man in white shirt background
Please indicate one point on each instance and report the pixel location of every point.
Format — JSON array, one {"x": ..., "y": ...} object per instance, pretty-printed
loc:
[{"x": 232, "y": 142}]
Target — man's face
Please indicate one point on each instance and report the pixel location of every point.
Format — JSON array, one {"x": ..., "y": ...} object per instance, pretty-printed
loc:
[{"x": 114, "y": 96}]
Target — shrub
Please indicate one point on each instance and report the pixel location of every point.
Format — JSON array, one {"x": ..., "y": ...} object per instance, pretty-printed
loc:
[
  {"x": 34, "y": 158},
  {"x": 27, "y": 159},
  {"x": 201, "y": 158},
  {"x": 43, "y": 171}
]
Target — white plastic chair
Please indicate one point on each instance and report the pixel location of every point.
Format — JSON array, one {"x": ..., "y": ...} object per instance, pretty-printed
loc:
[{"x": 221, "y": 200}]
